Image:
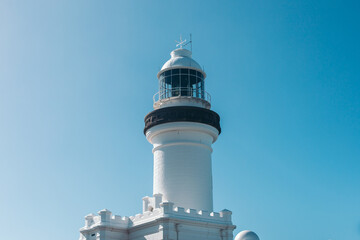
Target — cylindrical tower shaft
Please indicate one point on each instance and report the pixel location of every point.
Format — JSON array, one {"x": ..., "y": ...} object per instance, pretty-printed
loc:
[{"x": 182, "y": 163}]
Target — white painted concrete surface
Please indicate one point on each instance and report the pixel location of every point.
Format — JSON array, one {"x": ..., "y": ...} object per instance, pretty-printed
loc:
[{"x": 182, "y": 163}]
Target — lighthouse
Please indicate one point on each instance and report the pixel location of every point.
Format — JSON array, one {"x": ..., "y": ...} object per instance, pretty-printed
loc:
[{"x": 182, "y": 128}]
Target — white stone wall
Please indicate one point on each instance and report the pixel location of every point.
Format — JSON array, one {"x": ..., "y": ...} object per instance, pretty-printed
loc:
[
  {"x": 166, "y": 222},
  {"x": 182, "y": 163}
]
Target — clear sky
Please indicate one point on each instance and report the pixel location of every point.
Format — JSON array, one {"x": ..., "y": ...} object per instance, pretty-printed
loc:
[{"x": 77, "y": 79}]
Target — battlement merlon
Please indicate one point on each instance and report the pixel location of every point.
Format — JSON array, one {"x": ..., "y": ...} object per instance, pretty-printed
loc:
[{"x": 150, "y": 203}]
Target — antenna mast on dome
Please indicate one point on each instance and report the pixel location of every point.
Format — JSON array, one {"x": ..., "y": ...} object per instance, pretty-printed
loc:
[
  {"x": 180, "y": 43},
  {"x": 183, "y": 43}
]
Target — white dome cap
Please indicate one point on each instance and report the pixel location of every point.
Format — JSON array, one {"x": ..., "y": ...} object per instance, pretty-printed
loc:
[
  {"x": 246, "y": 235},
  {"x": 181, "y": 58}
]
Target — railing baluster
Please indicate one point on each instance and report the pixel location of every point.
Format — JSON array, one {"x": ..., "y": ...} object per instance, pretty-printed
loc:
[{"x": 178, "y": 92}]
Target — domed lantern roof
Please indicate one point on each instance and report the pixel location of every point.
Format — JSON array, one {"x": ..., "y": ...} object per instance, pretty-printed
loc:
[{"x": 181, "y": 58}]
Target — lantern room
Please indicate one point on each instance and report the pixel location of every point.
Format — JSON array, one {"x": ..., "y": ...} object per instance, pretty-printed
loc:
[{"x": 181, "y": 82}]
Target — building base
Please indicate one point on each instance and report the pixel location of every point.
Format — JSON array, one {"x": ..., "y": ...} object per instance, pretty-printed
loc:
[{"x": 162, "y": 223}]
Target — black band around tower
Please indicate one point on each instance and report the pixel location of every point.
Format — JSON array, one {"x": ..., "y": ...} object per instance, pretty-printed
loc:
[{"x": 182, "y": 114}]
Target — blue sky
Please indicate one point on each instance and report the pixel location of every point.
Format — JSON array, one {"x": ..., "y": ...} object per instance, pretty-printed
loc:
[{"x": 77, "y": 79}]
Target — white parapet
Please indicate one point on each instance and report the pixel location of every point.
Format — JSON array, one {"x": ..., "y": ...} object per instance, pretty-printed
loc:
[
  {"x": 166, "y": 220},
  {"x": 182, "y": 163}
]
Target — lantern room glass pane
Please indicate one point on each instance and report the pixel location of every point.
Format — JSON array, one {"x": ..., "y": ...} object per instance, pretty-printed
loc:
[
  {"x": 181, "y": 82},
  {"x": 175, "y": 85},
  {"x": 184, "y": 84},
  {"x": 184, "y": 71}
]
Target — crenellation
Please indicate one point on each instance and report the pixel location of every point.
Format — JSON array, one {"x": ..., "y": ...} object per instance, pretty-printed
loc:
[
  {"x": 226, "y": 214},
  {"x": 105, "y": 215},
  {"x": 167, "y": 207},
  {"x": 191, "y": 211},
  {"x": 215, "y": 214},
  {"x": 150, "y": 203},
  {"x": 89, "y": 220},
  {"x": 204, "y": 213},
  {"x": 180, "y": 210},
  {"x": 106, "y": 218}
]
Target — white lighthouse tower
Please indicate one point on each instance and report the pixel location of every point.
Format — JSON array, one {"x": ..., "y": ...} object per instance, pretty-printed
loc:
[{"x": 182, "y": 129}]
